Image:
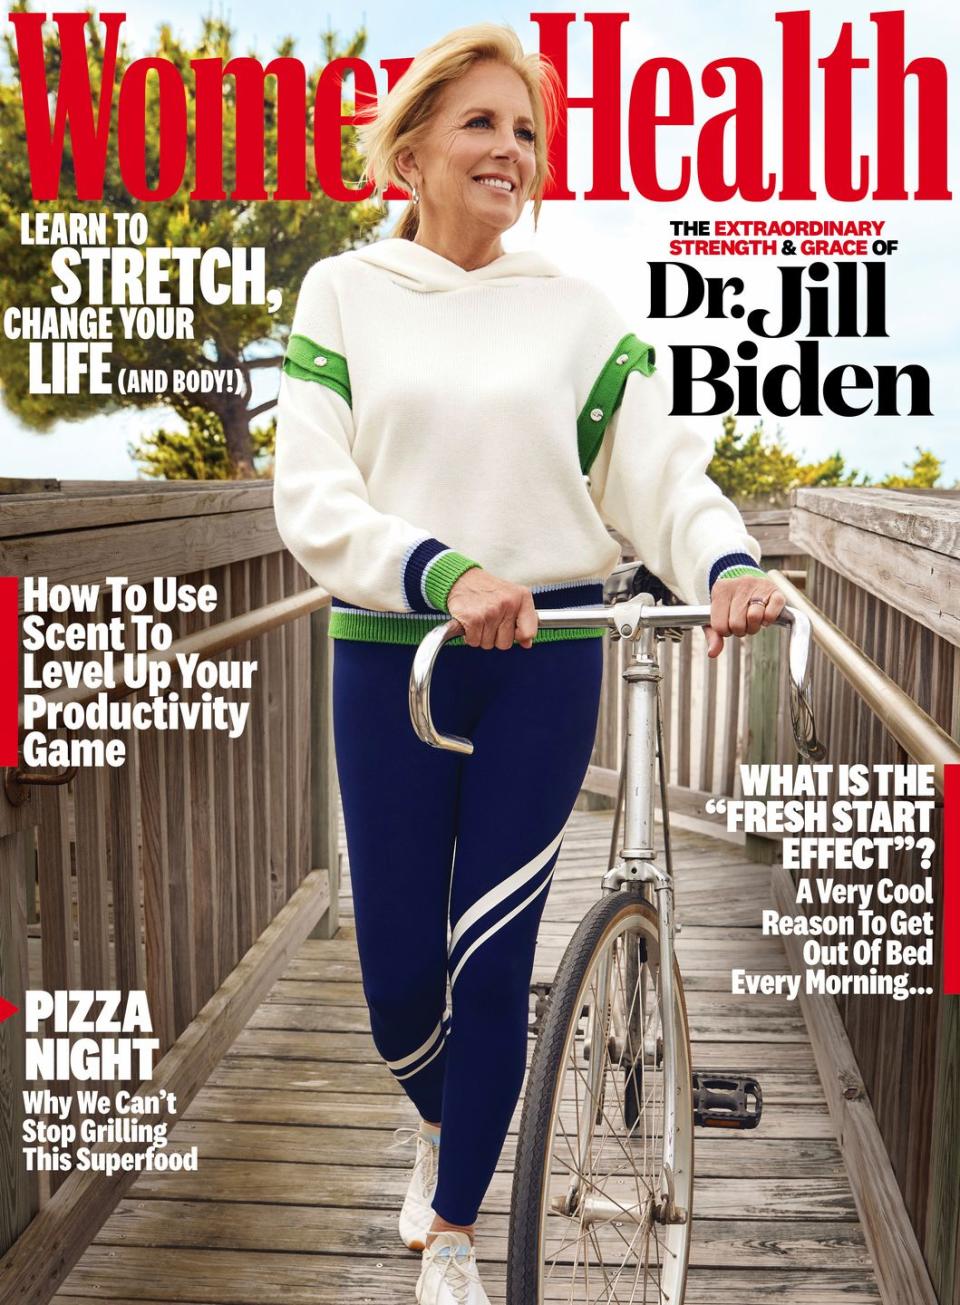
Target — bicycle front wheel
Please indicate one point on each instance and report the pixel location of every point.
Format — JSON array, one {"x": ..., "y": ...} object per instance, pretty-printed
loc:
[{"x": 588, "y": 1220}]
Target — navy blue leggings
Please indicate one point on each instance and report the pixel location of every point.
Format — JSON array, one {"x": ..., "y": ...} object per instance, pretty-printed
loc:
[{"x": 433, "y": 835}]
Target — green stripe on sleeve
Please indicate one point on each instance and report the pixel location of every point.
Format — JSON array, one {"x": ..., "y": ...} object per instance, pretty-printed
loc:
[
  {"x": 735, "y": 572},
  {"x": 442, "y": 574},
  {"x": 306, "y": 360},
  {"x": 630, "y": 355}
]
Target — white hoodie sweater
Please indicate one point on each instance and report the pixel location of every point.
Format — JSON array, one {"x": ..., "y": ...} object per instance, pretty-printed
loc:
[{"x": 431, "y": 419}]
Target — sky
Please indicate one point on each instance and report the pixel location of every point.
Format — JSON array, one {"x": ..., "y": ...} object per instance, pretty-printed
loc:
[{"x": 612, "y": 243}]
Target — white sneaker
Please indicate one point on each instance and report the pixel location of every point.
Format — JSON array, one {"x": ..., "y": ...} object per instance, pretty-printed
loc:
[
  {"x": 449, "y": 1274},
  {"x": 416, "y": 1214}
]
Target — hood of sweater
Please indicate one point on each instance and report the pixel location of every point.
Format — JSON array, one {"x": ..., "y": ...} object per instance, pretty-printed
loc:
[{"x": 417, "y": 268}]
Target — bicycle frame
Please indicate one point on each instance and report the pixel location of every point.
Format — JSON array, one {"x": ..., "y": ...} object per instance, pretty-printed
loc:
[
  {"x": 636, "y": 864},
  {"x": 636, "y": 620}
]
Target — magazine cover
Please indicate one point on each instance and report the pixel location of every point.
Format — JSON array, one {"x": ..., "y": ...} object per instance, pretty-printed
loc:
[{"x": 479, "y": 626}]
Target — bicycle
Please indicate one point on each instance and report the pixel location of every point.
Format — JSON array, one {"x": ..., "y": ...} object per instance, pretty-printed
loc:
[{"x": 606, "y": 1140}]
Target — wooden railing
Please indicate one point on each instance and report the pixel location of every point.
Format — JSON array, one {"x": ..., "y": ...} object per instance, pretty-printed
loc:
[
  {"x": 885, "y": 570},
  {"x": 193, "y": 870}
]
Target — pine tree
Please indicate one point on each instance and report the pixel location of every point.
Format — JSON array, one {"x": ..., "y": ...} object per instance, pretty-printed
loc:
[{"x": 294, "y": 234}]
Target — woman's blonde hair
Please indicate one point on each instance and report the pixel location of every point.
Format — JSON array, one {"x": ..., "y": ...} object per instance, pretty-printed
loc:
[{"x": 406, "y": 111}]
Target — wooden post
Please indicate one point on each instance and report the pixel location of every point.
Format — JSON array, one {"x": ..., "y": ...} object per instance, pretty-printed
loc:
[
  {"x": 323, "y": 772},
  {"x": 606, "y": 744},
  {"x": 761, "y": 743},
  {"x": 18, "y": 1189},
  {"x": 30, "y": 880}
]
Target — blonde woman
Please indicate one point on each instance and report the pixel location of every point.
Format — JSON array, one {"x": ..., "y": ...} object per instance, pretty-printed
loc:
[{"x": 456, "y": 426}]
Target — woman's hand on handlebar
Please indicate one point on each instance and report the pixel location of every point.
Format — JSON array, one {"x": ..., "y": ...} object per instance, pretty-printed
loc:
[
  {"x": 732, "y": 612},
  {"x": 494, "y": 613}
]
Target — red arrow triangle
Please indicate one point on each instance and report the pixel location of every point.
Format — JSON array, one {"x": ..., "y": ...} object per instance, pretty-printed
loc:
[{"x": 7, "y": 1009}]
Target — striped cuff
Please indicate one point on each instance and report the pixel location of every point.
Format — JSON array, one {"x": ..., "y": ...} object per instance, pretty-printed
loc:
[
  {"x": 430, "y": 572},
  {"x": 731, "y": 566}
]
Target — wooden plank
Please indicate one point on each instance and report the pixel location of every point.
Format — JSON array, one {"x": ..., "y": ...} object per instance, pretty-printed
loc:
[
  {"x": 718, "y": 1019},
  {"x": 180, "y": 870},
  {"x": 323, "y": 795},
  {"x": 337, "y": 992},
  {"x": 301, "y": 655},
  {"x": 78, "y": 508},
  {"x": 16, "y": 485},
  {"x": 941, "y": 1242},
  {"x": 342, "y": 1080},
  {"x": 89, "y": 791},
  {"x": 309, "y": 1229},
  {"x": 53, "y": 872},
  {"x": 930, "y": 522},
  {"x": 279, "y": 1106},
  {"x": 917, "y": 581},
  {"x": 224, "y": 816},
  {"x": 667, "y": 659},
  {"x": 375, "y": 1187},
  {"x": 18, "y": 1189},
  {"x": 761, "y": 741},
  {"x": 156, "y": 897},
  {"x": 749, "y": 1057},
  {"x": 293, "y": 687},
  {"x": 731, "y": 719},
  {"x": 148, "y": 549},
  {"x": 708, "y": 723},
  {"x": 30, "y": 881},
  {"x": 89, "y": 803},
  {"x": 243, "y": 799},
  {"x": 902, "y": 1275},
  {"x": 737, "y": 1155},
  {"x": 684, "y": 684},
  {"x": 123, "y": 834},
  {"x": 942, "y": 1231},
  {"x": 277, "y": 746},
  {"x": 260, "y": 744},
  {"x": 220, "y": 1277},
  {"x": 205, "y": 906},
  {"x": 37, "y": 1265}
]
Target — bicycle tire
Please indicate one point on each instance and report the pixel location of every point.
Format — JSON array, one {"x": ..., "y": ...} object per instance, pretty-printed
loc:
[{"x": 615, "y": 915}]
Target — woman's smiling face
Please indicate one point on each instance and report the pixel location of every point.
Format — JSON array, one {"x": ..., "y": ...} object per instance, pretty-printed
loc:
[{"x": 475, "y": 164}]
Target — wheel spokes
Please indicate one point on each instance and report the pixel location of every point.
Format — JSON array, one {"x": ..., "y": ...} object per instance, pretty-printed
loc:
[{"x": 613, "y": 1152}]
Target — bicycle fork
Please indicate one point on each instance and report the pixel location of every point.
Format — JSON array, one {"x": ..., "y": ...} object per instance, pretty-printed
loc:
[{"x": 636, "y": 865}]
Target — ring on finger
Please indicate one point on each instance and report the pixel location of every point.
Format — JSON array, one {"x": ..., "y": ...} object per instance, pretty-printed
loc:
[{"x": 756, "y": 599}]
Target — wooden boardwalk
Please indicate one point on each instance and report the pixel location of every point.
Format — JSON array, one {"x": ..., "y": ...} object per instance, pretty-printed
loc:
[{"x": 296, "y": 1195}]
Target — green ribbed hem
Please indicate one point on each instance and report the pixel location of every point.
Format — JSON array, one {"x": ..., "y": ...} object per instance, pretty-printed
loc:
[
  {"x": 402, "y": 629},
  {"x": 735, "y": 572},
  {"x": 442, "y": 574}
]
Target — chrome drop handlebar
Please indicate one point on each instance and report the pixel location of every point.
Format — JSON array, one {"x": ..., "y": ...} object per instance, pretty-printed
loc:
[{"x": 627, "y": 620}]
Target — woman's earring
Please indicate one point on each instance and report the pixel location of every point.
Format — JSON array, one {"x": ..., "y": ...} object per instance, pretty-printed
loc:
[{"x": 416, "y": 195}]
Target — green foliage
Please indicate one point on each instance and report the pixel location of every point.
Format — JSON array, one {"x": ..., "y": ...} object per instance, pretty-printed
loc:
[
  {"x": 294, "y": 234},
  {"x": 925, "y": 471},
  {"x": 200, "y": 452},
  {"x": 757, "y": 465}
]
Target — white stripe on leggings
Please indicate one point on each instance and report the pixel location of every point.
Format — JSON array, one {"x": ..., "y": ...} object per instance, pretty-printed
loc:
[
  {"x": 503, "y": 890},
  {"x": 410, "y": 1072},
  {"x": 424, "y": 1046},
  {"x": 499, "y": 925}
]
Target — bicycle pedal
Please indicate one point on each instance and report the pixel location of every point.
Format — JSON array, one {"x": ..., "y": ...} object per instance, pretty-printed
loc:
[
  {"x": 542, "y": 992},
  {"x": 726, "y": 1101}
]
